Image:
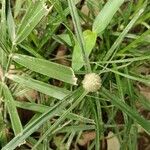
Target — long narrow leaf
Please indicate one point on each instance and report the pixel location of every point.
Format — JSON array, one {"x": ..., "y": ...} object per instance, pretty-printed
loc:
[
  {"x": 32, "y": 127},
  {"x": 128, "y": 110},
  {"x": 42, "y": 87},
  {"x": 35, "y": 13},
  {"x": 3, "y": 21},
  {"x": 17, "y": 8},
  {"x": 106, "y": 15},
  {"x": 80, "y": 38},
  {"x": 11, "y": 24},
  {"x": 46, "y": 67},
  {"x": 61, "y": 118},
  {"x": 14, "y": 117},
  {"x": 42, "y": 109},
  {"x": 122, "y": 35}
]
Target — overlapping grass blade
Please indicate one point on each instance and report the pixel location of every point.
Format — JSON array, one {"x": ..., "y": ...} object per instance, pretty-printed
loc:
[
  {"x": 146, "y": 81},
  {"x": 42, "y": 109},
  {"x": 34, "y": 14},
  {"x": 122, "y": 35},
  {"x": 32, "y": 127},
  {"x": 80, "y": 38},
  {"x": 62, "y": 117},
  {"x": 134, "y": 44},
  {"x": 128, "y": 110},
  {"x": 30, "y": 49},
  {"x": 47, "y": 68},
  {"x": 14, "y": 117},
  {"x": 42, "y": 87}
]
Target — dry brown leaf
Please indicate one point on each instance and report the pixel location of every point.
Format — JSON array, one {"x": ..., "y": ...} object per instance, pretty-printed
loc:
[
  {"x": 112, "y": 142},
  {"x": 32, "y": 94},
  {"x": 145, "y": 91},
  {"x": 85, "y": 10},
  {"x": 86, "y": 138},
  {"x": 60, "y": 56}
]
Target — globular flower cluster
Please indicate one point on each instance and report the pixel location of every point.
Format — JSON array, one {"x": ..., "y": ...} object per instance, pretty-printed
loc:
[{"x": 91, "y": 82}]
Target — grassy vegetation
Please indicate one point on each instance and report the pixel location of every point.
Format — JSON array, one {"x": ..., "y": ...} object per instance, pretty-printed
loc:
[{"x": 46, "y": 48}]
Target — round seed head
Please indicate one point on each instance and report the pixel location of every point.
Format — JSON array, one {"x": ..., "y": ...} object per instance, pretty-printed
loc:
[{"x": 91, "y": 82}]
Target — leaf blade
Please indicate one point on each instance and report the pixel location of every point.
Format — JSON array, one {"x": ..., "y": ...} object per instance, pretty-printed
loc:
[
  {"x": 14, "y": 117},
  {"x": 77, "y": 58},
  {"x": 32, "y": 17},
  {"x": 42, "y": 87},
  {"x": 45, "y": 67},
  {"x": 105, "y": 15}
]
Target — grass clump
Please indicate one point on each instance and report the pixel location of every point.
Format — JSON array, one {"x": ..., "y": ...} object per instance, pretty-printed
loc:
[{"x": 46, "y": 49}]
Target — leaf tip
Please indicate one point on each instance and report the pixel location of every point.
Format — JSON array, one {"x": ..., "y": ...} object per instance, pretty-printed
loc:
[{"x": 74, "y": 78}]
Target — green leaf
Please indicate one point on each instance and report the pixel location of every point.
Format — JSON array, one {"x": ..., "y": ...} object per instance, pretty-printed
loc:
[
  {"x": 32, "y": 127},
  {"x": 3, "y": 21},
  {"x": 128, "y": 110},
  {"x": 47, "y": 68},
  {"x": 34, "y": 14},
  {"x": 11, "y": 25},
  {"x": 78, "y": 30},
  {"x": 14, "y": 117},
  {"x": 135, "y": 78},
  {"x": 3, "y": 134},
  {"x": 42, "y": 109},
  {"x": 77, "y": 58},
  {"x": 3, "y": 58},
  {"x": 66, "y": 38},
  {"x": 61, "y": 118},
  {"x": 105, "y": 15},
  {"x": 113, "y": 48},
  {"x": 42, "y": 87},
  {"x": 144, "y": 37},
  {"x": 30, "y": 49},
  {"x": 17, "y": 8}
]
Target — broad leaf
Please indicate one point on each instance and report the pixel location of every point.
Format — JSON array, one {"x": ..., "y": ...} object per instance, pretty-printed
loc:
[{"x": 77, "y": 58}]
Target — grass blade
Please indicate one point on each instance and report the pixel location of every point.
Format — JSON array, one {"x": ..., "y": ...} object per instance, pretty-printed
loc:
[
  {"x": 35, "y": 13},
  {"x": 32, "y": 127},
  {"x": 14, "y": 117},
  {"x": 128, "y": 110},
  {"x": 62, "y": 117},
  {"x": 146, "y": 81},
  {"x": 11, "y": 24},
  {"x": 17, "y": 8},
  {"x": 122, "y": 35},
  {"x": 81, "y": 40},
  {"x": 47, "y": 68},
  {"x": 3, "y": 21},
  {"x": 106, "y": 15},
  {"x": 42, "y": 87},
  {"x": 3, "y": 58}
]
